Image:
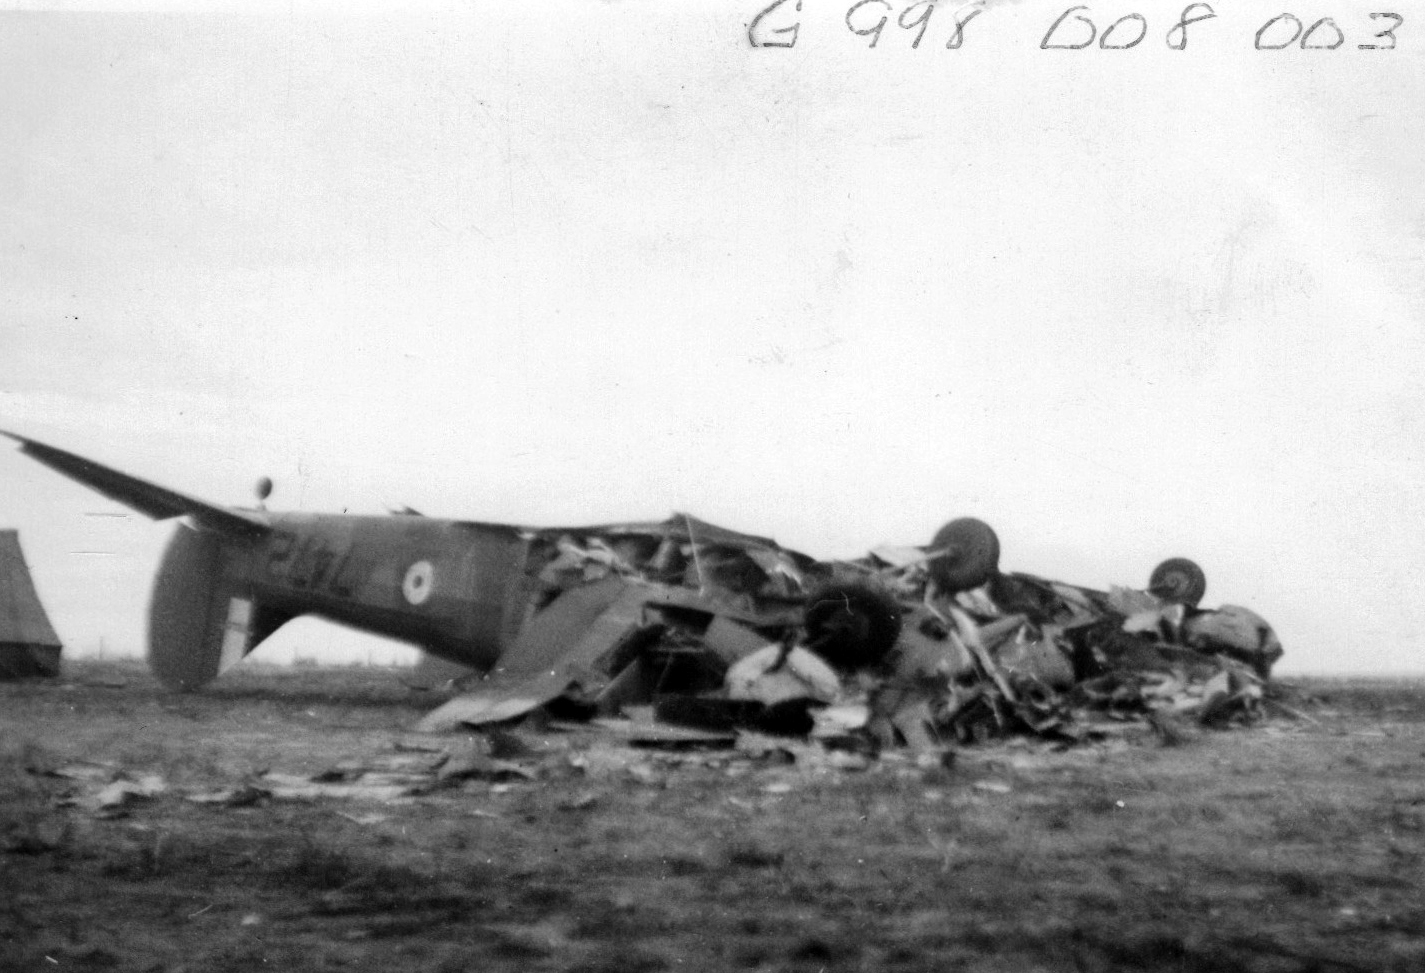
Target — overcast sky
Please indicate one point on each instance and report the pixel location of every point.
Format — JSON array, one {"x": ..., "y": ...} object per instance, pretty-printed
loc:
[{"x": 579, "y": 261}]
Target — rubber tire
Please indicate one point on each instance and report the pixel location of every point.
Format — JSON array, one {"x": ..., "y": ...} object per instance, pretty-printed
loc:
[
  {"x": 1179, "y": 581},
  {"x": 972, "y": 558},
  {"x": 852, "y": 624}
]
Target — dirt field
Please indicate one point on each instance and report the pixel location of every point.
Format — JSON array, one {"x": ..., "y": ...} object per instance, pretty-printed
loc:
[{"x": 1295, "y": 845}]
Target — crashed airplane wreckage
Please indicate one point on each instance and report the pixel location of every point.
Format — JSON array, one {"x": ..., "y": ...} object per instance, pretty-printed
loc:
[
  {"x": 708, "y": 627},
  {"x": 705, "y": 628}
]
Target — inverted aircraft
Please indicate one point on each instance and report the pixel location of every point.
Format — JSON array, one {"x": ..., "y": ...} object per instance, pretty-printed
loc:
[{"x": 464, "y": 591}]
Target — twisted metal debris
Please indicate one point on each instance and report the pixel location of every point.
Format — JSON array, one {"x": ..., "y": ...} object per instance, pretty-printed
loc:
[{"x": 922, "y": 647}]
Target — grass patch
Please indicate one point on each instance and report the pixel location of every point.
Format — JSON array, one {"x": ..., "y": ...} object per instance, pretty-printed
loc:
[{"x": 1268, "y": 849}]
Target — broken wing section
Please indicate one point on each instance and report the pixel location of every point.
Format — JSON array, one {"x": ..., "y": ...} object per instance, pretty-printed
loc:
[{"x": 147, "y": 498}]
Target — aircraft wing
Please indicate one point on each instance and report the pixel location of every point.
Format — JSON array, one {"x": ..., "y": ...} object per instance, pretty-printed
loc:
[{"x": 149, "y": 499}]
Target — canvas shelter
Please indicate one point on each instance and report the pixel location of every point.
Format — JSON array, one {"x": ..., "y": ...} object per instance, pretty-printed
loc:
[{"x": 28, "y": 643}]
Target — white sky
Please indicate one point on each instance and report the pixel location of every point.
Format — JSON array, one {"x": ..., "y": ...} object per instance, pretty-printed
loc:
[{"x": 579, "y": 261}]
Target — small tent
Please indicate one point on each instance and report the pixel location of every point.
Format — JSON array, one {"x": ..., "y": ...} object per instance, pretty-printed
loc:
[{"x": 28, "y": 645}]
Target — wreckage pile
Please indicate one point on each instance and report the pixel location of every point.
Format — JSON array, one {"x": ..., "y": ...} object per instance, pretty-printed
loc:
[{"x": 714, "y": 630}]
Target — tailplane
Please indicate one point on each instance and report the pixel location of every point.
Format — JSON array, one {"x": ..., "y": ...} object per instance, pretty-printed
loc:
[{"x": 147, "y": 498}]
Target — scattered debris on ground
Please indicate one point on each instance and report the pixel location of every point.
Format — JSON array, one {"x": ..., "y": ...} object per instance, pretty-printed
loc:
[{"x": 703, "y": 853}]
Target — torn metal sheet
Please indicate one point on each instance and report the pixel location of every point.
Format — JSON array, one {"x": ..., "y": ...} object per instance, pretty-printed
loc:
[
  {"x": 774, "y": 674},
  {"x": 648, "y": 732},
  {"x": 393, "y": 765},
  {"x": 1238, "y": 632},
  {"x": 585, "y": 640},
  {"x": 242, "y": 796},
  {"x": 547, "y": 638},
  {"x": 771, "y": 615},
  {"x": 1164, "y": 622},
  {"x": 433, "y": 672},
  {"x": 730, "y": 641},
  {"x": 1128, "y": 602},
  {"x": 680, "y": 526},
  {"x": 900, "y": 557},
  {"x": 480, "y": 766},
  {"x": 633, "y": 686},
  {"x": 840, "y": 719},
  {"x": 787, "y": 717},
  {"x": 1231, "y": 696},
  {"x": 86, "y": 771},
  {"x": 995, "y": 633},
  {"x": 295, "y": 787},
  {"x": 496, "y": 704},
  {"x": 1038, "y": 656},
  {"x": 123, "y": 792},
  {"x": 925, "y": 651}
]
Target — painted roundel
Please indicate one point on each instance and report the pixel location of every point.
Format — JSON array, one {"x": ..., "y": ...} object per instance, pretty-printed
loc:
[{"x": 420, "y": 577}]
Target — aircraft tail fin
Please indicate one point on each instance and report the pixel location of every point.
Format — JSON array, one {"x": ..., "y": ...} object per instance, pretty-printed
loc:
[
  {"x": 204, "y": 616},
  {"x": 149, "y": 499}
]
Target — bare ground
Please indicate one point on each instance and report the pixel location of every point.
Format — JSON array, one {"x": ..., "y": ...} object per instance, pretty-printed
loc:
[{"x": 1295, "y": 845}]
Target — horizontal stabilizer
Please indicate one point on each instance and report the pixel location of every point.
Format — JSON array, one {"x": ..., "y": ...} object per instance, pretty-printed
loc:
[{"x": 147, "y": 498}]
